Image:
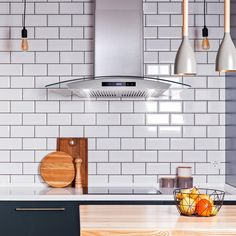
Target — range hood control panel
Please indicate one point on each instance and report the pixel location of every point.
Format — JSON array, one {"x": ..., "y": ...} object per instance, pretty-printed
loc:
[{"x": 118, "y": 84}]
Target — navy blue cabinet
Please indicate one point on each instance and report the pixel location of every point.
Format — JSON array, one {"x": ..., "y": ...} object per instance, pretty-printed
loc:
[{"x": 39, "y": 218}]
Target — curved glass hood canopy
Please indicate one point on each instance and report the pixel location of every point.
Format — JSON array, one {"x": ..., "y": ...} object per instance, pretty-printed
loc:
[{"x": 118, "y": 52}]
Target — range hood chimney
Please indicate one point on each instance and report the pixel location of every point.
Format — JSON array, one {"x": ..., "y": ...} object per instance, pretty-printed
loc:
[{"x": 118, "y": 66}]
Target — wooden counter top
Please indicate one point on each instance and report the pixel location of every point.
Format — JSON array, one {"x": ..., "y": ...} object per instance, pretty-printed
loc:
[{"x": 145, "y": 220}]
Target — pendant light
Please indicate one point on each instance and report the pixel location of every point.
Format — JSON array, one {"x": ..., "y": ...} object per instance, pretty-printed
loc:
[
  {"x": 205, "y": 40},
  {"x": 24, "y": 33},
  {"x": 185, "y": 62},
  {"x": 226, "y": 56}
]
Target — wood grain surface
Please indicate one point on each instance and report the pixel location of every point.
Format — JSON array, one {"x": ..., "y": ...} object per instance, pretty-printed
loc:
[
  {"x": 153, "y": 221},
  {"x": 57, "y": 169},
  {"x": 77, "y": 148}
]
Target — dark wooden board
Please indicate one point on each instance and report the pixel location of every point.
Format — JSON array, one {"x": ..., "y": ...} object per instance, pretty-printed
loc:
[{"x": 77, "y": 148}]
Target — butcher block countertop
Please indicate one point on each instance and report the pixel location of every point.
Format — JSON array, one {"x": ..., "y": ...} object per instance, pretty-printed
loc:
[{"x": 155, "y": 220}]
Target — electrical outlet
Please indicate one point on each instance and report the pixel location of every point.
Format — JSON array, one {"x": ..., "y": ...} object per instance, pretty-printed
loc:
[{"x": 215, "y": 164}]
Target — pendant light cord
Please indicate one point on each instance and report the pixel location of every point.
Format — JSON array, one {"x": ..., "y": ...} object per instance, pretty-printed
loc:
[
  {"x": 204, "y": 12},
  {"x": 24, "y": 14}
]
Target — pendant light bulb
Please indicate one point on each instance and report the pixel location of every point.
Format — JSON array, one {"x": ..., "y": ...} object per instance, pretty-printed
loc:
[
  {"x": 205, "y": 40},
  {"x": 24, "y": 34},
  {"x": 24, "y": 40}
]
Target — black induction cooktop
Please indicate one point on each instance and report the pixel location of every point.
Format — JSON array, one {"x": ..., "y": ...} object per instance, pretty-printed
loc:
[{"x": 121, "y": 191}]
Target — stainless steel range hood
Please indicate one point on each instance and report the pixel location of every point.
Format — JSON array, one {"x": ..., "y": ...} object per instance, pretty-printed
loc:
[{"x": 118, "y": 66}]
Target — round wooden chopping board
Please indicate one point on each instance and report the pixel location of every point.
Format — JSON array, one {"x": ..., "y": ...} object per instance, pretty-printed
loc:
[{"x": 57, "y": 169}]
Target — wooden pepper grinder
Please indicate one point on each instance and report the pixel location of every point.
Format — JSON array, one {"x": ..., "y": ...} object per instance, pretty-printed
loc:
[{"x": 78, "y": 179}]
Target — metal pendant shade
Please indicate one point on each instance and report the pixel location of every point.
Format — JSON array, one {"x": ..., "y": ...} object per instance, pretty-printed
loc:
[
  {"x": 185, "y": 61},
  {"x": 226, "y": 56}
]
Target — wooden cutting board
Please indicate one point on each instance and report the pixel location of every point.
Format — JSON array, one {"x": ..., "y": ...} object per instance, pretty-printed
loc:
[
  {"x": 57, "y": 169},
  {"x": 77, "y": 148}
]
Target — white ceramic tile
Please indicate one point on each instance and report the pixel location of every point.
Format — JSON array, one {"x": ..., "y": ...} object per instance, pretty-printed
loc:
[
  {"x": 182, "y": 144},
  {"x": 121, "y": 106},
  {"x": 145, "y": 107},
  {"x": 194, "y": 156},
  {"x": 120, "y": 156},
  {"x": 169, "y": 156},
  {"x": 98, "y": 156},
  {"x": 96, "y": 106},
  {"x": 132, "y": 143},
  {"x": 10, "y": 168},
  {"x": 145, "y": 131},
  {"x": 4, "y": 156},
  {"x": 132, "y": 119},
  {"x": 157, "y": 144},
  {"x": 194, "y": 131},
  {"x": 47, "y": 107},
  {"x": 133, "y": 168},
  {"x": 206, "y": 144},
  {"x": 120, "y": 131},
  {"x": 108, "y": 168},
  {"x": 108, "y": 143},
  {"x": 22, "y": 131},
  {"x": 145, "y": 156},
  {"x": 22, "y": 156},
  {"x": 157, "y": 119},
  {"x": 96, "y": 131},
  {"x": 120, "y": 180},
  {"x": 83, "y": 119},
  {"x": 169, "y": 131},
  {"x": 108, "y": 119},
  {"x": 158, "y": 168},
  {"x": 71, "y": 131},
  {"x": 59, "y": 119}
]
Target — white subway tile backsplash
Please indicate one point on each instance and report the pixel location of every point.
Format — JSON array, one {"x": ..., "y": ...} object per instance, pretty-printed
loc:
[
  {"x": 169, "y": 156},
  {"x": 120, "y": 156},
  {"x": 133, "y": 168},
  {"x": 130, "y": 140},
  {"x": 145, "y": 131},
  {"x": 59, "y": 119},
  {"x": 182, "y": 144},
  {"x": 109, "y": 168},
  {"x": 145, "y": 156},
  {"x": 132, "y": 143},
  {"x": 4, "y": 131},
  {"x": 71, "y": 131},
  {"x": 10, "y": 168},
  {"x": 158, "y": 168},
  {"x": 157, "y": 144},
  {"x": 22, "y": 131},
  {"x": 206, "y": 144},
  {"x": 96, "y": 131},
  {"x": 157, "y": 119},
  {"x": 98, "y": 156},
  {"x": 120, "y": 131},
  {"x": 22, "y": 156},
  {"x": 96, "y": 107},
  {"x": 145, "y": 107},
  {"x": 108, "y": 144},
  {"x": 169, "y": 131},
  {"x": 194, "y": 131},
  {"x": 83, "y": 119},
  {"x": 34, "y": 119}
]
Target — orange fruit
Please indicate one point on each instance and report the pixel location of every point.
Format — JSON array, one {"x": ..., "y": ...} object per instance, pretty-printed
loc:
[
  {"x": 204, "y": 207},
  {"x": 205, "y": 196}
]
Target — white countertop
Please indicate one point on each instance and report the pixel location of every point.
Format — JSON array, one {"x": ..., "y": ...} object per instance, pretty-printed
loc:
[{"x": 42, "y": 193}]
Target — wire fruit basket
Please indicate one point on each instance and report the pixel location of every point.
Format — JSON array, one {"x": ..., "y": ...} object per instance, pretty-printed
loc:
[{"x": 198, "y": 201}]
